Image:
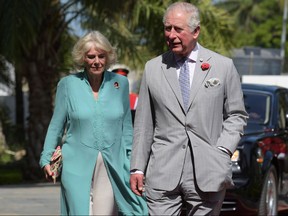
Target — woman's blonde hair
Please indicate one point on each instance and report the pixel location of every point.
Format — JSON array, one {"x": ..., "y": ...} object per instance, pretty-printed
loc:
[{"x": 98, "y": 41}]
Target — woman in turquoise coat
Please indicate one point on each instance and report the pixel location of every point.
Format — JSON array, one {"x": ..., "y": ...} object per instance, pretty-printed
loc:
[{"x": 92, "y": 109}]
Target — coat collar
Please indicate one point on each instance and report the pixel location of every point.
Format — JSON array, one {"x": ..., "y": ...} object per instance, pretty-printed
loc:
[
  {"x": 169, "y": 65},
  {"x": 106, "y": 76},
  {"x": 199, "y": 75}
]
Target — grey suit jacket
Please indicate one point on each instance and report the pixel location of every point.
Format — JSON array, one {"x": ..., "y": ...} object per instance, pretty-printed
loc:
[{"x": 216, "y": 117}]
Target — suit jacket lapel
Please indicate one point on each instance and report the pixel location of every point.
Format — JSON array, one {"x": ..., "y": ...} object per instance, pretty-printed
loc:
[
  {"x": 169, "y": 69},
  {"x": 199, "y": 74}
]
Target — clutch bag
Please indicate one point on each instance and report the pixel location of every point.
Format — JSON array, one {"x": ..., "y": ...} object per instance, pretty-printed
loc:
[{"x": 56, "y": 163}]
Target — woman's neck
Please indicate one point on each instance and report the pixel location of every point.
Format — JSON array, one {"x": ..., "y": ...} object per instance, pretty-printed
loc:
[{"x": 95, "y": 82}]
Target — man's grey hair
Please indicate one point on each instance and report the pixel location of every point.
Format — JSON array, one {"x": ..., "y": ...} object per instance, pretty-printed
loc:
[{"x": 194, "y": 15}]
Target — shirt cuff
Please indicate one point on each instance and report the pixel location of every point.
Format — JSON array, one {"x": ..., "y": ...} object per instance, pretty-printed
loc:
[
  {"x": 224, "y": 150},
  {"x": 135, "y": 171}
]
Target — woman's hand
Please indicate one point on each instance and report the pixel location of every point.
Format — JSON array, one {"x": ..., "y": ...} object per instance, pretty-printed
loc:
[{"x": 47, "y": 172}]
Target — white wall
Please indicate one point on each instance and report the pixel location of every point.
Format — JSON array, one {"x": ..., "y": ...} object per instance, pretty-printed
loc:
[{"x": 279, "y": 80}]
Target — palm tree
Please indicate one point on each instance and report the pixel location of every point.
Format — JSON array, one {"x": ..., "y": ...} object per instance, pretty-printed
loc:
[
  {"x": 217, "y": 27},
  {"x": 258, "y": 21},
  {"x": 32, "y": 38},
  {"x": 5, "y": 80}
]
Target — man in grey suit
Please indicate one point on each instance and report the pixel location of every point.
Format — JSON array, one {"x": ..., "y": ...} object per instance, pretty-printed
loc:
[{"x": 183, "y": 139}]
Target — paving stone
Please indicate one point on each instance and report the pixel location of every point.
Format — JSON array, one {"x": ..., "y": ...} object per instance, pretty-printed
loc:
[{"x": 30, "y": 199}]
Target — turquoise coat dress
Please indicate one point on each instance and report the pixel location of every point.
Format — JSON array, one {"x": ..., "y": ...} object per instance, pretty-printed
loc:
[{"x": 92, "y": 126}]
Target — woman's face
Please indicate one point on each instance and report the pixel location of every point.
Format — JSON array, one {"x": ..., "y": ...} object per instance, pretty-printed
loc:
[{"x": 95, "y": 61}]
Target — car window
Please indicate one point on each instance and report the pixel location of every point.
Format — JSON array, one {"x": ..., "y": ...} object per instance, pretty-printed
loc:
[
  {"x": 257, "y": 106},
  {"x": 282, "y": 109}
]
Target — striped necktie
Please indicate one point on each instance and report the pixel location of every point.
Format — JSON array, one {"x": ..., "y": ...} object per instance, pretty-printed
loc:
[{"x": 184, "y": 81}]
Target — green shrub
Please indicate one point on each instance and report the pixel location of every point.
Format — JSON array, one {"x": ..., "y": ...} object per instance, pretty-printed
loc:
[{"x": 10, "y": 176}]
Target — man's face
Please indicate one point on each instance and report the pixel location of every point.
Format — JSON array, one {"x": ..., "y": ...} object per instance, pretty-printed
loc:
[{"x": 179, "y": 37}]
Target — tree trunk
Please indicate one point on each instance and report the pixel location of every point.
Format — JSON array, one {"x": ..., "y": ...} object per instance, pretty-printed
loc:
[
  {"x": 40, "y": 112},
  {"x": 19, "y": 101},
  {"x": 41, "y": 72},
  {"x": 3, "y": 144}
]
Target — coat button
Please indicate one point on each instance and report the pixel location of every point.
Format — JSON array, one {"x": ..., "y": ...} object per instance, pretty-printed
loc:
[{"x": 184, "y": 147}]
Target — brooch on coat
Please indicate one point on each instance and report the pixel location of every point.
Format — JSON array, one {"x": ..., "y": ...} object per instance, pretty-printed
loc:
[
  {"x": 205, "y": 66},
  {"x": 116, "y": 85}
]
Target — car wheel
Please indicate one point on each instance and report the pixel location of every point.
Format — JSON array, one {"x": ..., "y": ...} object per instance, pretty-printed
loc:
[{"x": 269, "y": 196}]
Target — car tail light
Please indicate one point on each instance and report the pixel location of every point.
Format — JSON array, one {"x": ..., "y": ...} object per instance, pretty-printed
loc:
[{"x": 274, "y": 144}]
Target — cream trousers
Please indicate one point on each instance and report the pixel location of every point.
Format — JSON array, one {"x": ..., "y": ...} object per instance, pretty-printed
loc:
[{"x": 101, "y": 194}]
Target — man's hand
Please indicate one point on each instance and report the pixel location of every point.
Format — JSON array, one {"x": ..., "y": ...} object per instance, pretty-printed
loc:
[{"x": 136, "y": 183}]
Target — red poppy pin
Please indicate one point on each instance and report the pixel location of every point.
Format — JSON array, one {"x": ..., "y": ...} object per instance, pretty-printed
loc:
[
  {"x": 116, "y": 85},
  {"x": 205, "y": 66}
]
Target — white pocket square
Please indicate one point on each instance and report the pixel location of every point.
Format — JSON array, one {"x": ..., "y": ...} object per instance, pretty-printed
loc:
[{"x": 213, "y": 82}]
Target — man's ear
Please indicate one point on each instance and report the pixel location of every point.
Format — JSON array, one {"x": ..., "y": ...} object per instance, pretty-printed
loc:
[{"x": 196, "y": 32}]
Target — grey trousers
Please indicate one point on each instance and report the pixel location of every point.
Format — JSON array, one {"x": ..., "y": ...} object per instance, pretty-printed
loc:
[{"x": 195, "y": 201}]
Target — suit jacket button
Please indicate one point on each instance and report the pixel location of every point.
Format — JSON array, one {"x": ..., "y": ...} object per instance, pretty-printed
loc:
[{"x": 184, "y": 147}]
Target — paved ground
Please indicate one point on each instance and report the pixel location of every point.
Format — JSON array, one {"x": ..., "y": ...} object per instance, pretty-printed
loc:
[
  {"x": 30, "y": 199},
  {"x": 36, "y": 199}
]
